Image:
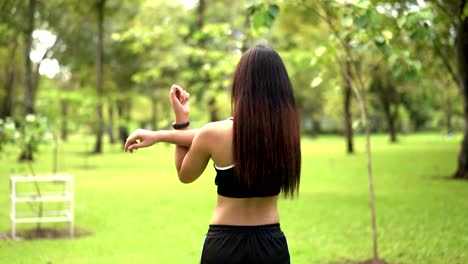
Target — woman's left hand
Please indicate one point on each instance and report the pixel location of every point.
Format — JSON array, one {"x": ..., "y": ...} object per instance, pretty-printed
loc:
[{"x": 141, "y": 138}]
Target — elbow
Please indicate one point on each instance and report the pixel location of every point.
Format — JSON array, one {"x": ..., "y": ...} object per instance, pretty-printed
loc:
[{"x": 185, "y": 180}]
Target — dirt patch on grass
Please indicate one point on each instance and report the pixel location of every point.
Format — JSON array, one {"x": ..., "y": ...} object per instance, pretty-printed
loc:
[{"x": 45, "y": 233}]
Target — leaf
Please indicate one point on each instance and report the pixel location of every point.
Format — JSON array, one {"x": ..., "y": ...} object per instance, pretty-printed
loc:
[
  {"x": 397, "y": 70},
  {"x": 357, "y": 66},
  {"x": 387, "y": 34},
  {"x": 320, "y": 51},
  {"x": 316, "y": 82},
  {"x": 347, "y": 21},
  {"x": 253, "y": 3},
  {"x": 401, "y": 21},
  {"x": 252, "y": 10},
  {"x": 363, "y": 4},
  {"x": 410, "y": 75},
  {"x": 258, "y": 20},
  {"x": 426, "y": 14},
  {"x": 379, "y": 41},
  {"x": 375, "y": 18},
  {"x": 362, "y": 21},
  {"x": 268, "y": 19},
  {"x": 264, "y": 18},
  {"x": 273, "y": 10},
  {"x": 418, "y": 33},
  {"x": 313, "y": 61},
  {"x": 416, "y": 64}
]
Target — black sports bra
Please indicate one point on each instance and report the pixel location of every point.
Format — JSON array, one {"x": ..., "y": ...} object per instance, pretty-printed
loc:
[{"x": 230, "y": 186}]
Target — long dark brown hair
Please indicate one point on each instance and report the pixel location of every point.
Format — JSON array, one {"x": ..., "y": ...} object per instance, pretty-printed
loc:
[{"x": 266, "y": 137}]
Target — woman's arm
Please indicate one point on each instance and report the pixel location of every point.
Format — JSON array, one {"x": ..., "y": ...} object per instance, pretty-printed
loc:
[
  {"x": 191, "y": 162},
  {"x": 192, "y": 151},
  {"x": 182, "y": 138},
  {"x": 142, "y": 138}
]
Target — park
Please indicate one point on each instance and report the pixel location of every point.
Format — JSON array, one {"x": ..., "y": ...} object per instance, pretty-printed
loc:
[{"x": 381, "y": 90}]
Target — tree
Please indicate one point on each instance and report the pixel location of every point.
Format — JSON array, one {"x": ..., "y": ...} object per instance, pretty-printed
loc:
[
  {"x": 388, "y": 96},
  {"x": 353, "y": 73},
  {"x": 347, "y": 97},
  {"x": 100, "y": 5},
  {"x": 455, "y": 16},
  {"x": 11, "y": 30},
  {"x": 30, "y": 85},
  {"x": 462, "y": 59}
]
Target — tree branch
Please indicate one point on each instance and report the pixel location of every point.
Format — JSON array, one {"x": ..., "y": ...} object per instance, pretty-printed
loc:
[
  {"x": 442, "y": 8},
  {"x": 359, "y": 92},
  {"x": 447, "y": 65}
]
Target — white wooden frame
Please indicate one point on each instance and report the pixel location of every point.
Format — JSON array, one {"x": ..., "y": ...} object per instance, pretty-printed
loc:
[{"x": 66, "y": 197}]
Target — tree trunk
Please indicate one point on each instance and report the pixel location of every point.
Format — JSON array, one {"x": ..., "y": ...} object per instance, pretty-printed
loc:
[
  {"x": 371, "y": 181},
  {"x": 123, "y": 118},
  {"x": 200, "y": 24},
  {"x": 64, "y": 125},
  {"x": 8, "y": 105},
  {"x": 315, "y": 129},
  {"x": 448, "y": 115},
  {"x": 201, "y": 14},
  {"x": 201, "y": 21},
  {"x": 246, "y": 32},
  {"x": 391, "y": 117},
  {"x": 154, "y": 113},
  {"x": 29, "y": 85},
  {"x": 110, "y": 125},
  {"x": 391, "y": 128},
  {"x": 462, "y": 56},
  {"x": 99, "y": 76},
  {"x": 12, "y": 94},
  {"x": 26, "y": 154},
  {"x": 347, "y": 95},
  {"x": 213, "y": 108}
]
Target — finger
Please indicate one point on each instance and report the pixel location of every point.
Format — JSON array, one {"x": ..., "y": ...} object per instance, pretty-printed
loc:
[
  {"x": 132, "y": 139},
  {"x": 173, "y": 90},
  {"x": 135, "y": 146},
  {"x": 127, "y": 144},
  {"x": 176, "y": 88},
  {"x": 186, "y": 96},
  {"x": 182, "y": 98},
  {"x": 176, "y": 93}
]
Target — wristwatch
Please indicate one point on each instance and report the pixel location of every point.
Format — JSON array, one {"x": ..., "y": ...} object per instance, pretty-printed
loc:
[{"x": 181, "y": 125}]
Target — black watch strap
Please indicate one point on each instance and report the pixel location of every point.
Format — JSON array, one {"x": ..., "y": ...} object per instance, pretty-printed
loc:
[{"x": 181, "y": 125}]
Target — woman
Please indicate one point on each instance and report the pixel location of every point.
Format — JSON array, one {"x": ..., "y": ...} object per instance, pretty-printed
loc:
[{"x": 256, "y": 155}]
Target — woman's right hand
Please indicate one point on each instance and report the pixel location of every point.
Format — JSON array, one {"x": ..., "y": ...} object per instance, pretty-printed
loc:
[
  {"x": 140, "y": 138},
  {"x": 180, "y": 104}
]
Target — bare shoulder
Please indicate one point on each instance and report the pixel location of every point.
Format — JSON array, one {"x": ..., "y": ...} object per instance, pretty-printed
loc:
[
  {"x": 215, "y": 132},
  {"x": 217, "y": 138},
  {"x": 218, "y": 125}
]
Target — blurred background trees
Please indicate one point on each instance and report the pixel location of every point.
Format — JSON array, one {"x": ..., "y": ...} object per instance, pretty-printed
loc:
[{"x": 103, "y": 68}]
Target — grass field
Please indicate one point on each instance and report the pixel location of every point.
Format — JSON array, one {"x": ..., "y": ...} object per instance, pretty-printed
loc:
[{"x": 138, "y": 212}]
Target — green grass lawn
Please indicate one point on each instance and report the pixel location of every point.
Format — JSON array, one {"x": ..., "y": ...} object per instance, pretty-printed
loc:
[{"x": 138, "y": 212}]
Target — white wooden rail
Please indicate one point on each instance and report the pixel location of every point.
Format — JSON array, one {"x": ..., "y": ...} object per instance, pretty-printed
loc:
[{"x": 66, "y": 196}]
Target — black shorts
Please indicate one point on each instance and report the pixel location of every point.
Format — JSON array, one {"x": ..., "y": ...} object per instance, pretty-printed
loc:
[{"x": 245, "y": 244}]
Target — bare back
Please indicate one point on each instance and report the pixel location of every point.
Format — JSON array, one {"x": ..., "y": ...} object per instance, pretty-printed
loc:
[{"x": 237, "y": 211}]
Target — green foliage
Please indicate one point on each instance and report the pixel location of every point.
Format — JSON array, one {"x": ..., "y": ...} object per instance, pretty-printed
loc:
[
  {"x": 149, "y": 45},
  {"x": 263, "y": 15},
  {"x": 26, "y": 134},
  {"x": 8, "y": 134}
]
